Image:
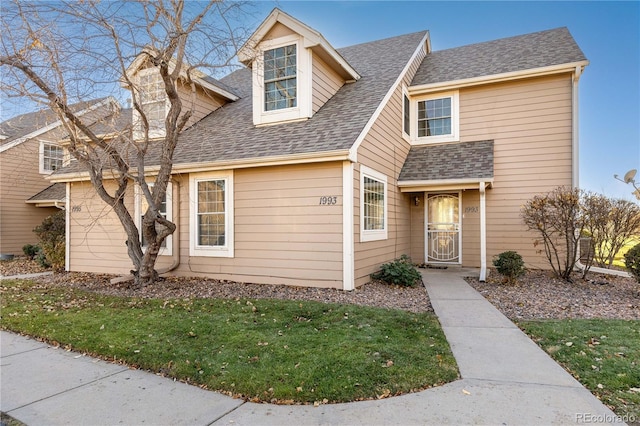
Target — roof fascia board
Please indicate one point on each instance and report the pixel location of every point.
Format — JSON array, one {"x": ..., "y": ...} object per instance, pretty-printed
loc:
[
  {"x": 442, "y": 184},
  {"x": 197, "y": 77},
  {"x": 311, "y": 37},
  {"x": 55, "y": 124},
  {"x": 313, "y": 157},
  {"x": 215, "y": 89},
  {"x": 353, "y": 152},
  {"x": 495, "y": 78}
]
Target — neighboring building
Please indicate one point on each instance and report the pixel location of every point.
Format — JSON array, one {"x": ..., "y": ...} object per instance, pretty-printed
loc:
[
  {"x": 29, "y": 152},
  {"x": 316, "y": 165}
]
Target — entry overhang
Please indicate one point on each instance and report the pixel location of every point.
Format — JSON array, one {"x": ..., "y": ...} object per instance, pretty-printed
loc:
[{"x": 444, "y": 184}]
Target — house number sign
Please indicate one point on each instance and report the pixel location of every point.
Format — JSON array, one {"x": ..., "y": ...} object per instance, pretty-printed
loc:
[{"x": 329, "y": 200}]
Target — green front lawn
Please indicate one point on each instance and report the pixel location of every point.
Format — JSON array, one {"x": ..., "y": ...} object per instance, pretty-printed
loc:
[
  {"x": 262, "y": 350},
  {"x": 604, "y": 355}
]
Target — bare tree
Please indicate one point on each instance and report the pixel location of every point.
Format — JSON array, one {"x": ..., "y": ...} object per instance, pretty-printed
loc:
[
  {"x": 610, "y": 223},
  {"x": 63, "y": 52},
  {"x": 558, "y": 219}
]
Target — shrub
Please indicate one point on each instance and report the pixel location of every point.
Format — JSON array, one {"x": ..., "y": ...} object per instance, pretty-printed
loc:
[
  {"x": 400, "y": 272},
  {"x": 42, "y": 260},
  {"x": 30, "y": 250},
  {"x": 632, "y": 261},
  {"x": 510, "y": 265},
  {"x": 52, "y": 240},
  {"x": 558, "y": 219}
]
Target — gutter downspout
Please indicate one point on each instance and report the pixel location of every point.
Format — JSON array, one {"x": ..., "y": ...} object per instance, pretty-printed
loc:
[{"x": 483, "y": 233}]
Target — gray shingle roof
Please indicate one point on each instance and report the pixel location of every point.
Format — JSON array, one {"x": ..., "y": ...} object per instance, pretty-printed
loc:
[
  {"x": 55, "y": 192},
  {"x": 465, "y": 160},
  {"x": 229, "y": 134},
  {"x": 24, "y": 124},
  {"x": 529, "y": 51}
]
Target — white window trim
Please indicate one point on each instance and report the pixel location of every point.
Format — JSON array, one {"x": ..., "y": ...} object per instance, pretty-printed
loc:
[
  {"x": 455, "y": 119},
  {"x": 138, "y": 196},
  {"x": 375, "y": 234},
  {"x": 137, "y": 129},
  {"x": 304, "y": 76},
  {"x": 405, "y": 94},
  {"x": 211, "y": 251},
  {"x": 41, "y": 169}
]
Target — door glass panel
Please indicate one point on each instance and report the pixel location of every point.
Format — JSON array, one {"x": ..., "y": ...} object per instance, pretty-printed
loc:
[{"x": 443, "y": 228}]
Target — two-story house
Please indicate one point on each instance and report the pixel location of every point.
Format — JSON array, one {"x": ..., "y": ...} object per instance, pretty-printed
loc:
[
  {"x": 313, "y": 165},
  {"x": 30, "y": 151}
]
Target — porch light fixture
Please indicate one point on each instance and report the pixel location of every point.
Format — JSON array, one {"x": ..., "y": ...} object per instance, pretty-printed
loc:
[{"x": 416, "y": 200}]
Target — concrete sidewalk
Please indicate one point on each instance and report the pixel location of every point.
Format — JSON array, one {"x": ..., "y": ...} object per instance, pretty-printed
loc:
[{"x": 506, "y": 379}]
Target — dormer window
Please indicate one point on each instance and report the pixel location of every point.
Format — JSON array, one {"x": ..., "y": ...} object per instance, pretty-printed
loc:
[
  {"x": 153, "y": 100},
  {"x": 51, "y": 157},
  {"x": 280, "y": 78}
]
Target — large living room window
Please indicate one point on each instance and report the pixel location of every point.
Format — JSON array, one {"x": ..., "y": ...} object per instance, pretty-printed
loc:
[
  {"x": 280, "y": 78},
  {"x": 211, "y": 215},
  {"x": 373, "y": 205},
  {"x": 437, "y": 118}
]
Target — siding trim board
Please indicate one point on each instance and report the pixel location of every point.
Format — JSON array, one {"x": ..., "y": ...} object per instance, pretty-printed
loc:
[{"x": 497, "y": 78}]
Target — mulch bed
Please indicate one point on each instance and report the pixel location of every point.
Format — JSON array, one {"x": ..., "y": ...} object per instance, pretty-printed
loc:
[{"x": 537, "y": 295}]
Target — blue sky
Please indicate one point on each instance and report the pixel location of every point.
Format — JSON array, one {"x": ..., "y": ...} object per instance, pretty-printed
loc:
[{"x": 607, "y": 32}]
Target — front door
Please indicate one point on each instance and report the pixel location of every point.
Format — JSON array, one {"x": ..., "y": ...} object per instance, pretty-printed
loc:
[{"x": 443, "y": 228}]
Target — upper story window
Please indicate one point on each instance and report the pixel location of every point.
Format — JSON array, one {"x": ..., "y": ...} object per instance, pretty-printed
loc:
[
  {"x": 434, "y": 117},
  {"x": 437, "y": 118},
  {"x": 51, "y": 157},
  {"x": 153, "y": 100},
  {"x": 280, "y": 78},
  {"x": 406, "y": 114},
  {"x": 373, "y": 205},
  {"x": 282, "y": 81}
]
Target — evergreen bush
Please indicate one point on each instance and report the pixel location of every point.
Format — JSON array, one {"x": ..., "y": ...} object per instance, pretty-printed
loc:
[
  {"x": 632, "y": 261},
  {"x": 52, "y": 241},
  {"x": 400, "y": 272},
  {"x": 510, "y": 265}
]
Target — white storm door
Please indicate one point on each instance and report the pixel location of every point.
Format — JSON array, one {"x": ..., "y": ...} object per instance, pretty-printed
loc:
[{"x": 443, "y": 228}]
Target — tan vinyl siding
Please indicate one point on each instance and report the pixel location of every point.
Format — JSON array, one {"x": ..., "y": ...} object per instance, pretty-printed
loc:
[
  {"x": 277, "y": 31},
  {"x": 96, "y": 236},
  {"x": 385, "y": 150},
  {"x": 203, "y": 102},
  {"x": 20, "y": 179},
  {"x": 530, "y": 123},
  {"x": 282, "y": 233},
  {"x": 326, "y": 82}
]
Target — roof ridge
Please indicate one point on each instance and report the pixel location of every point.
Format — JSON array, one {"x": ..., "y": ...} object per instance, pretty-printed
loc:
[
  {"x": 502, "y": 39},
  {"x": 382, "y": 39}
]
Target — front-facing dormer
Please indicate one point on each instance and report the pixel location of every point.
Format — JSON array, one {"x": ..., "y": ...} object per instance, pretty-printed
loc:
[
  {"x": 294, "y": 70},
  {"x": 199, "y": 94}
]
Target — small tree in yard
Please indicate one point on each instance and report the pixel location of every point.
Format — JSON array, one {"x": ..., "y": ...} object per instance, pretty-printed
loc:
[
  {"x": 558, "y": 219},
  {"x": 59, "y": 53},
  {"x": 610, "y": 223}
]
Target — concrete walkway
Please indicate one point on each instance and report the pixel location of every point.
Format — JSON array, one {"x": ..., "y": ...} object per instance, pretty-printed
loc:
[{"x": 506, "y": 379}]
